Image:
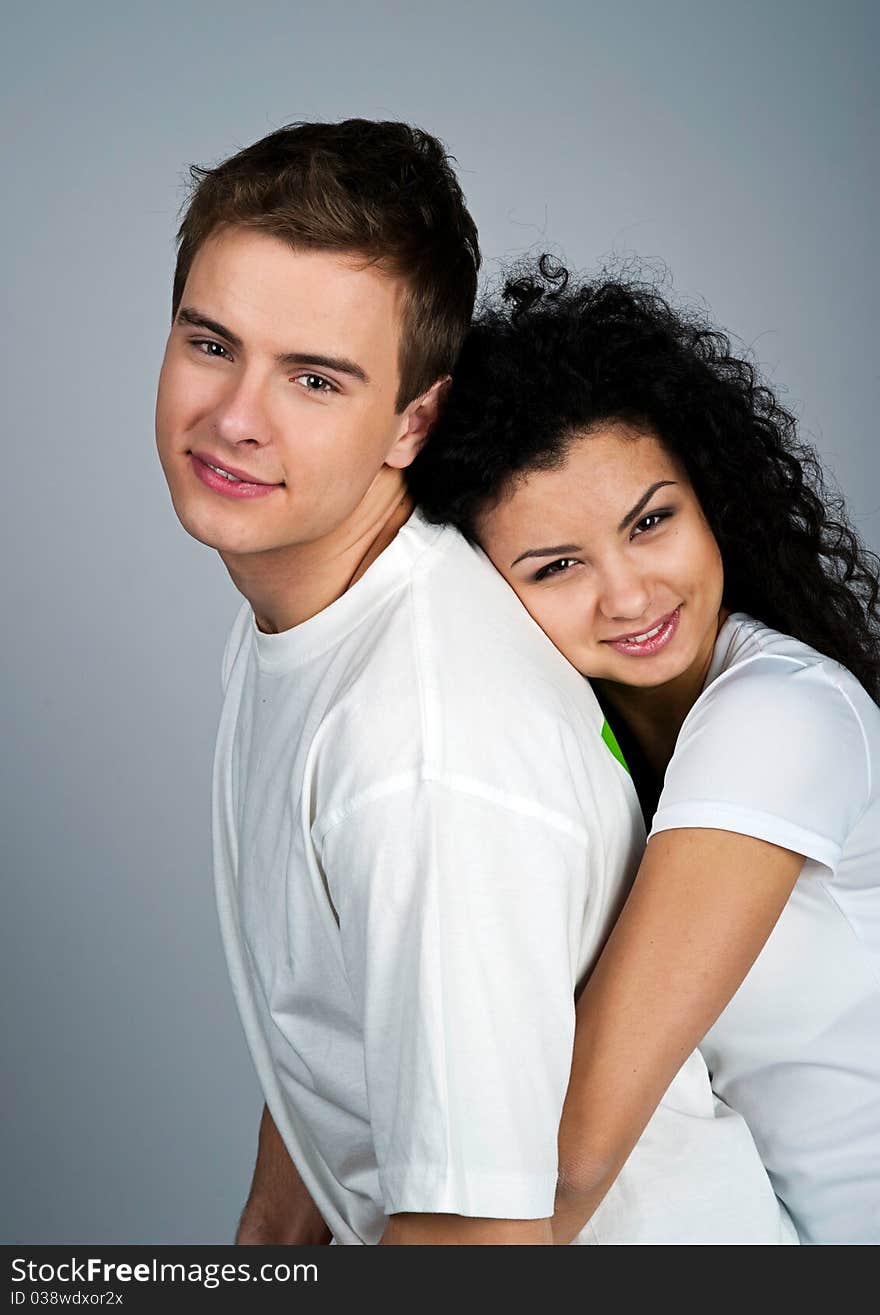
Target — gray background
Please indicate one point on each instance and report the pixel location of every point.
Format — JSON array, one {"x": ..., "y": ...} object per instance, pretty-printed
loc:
[{"x": 732, "y": 141}]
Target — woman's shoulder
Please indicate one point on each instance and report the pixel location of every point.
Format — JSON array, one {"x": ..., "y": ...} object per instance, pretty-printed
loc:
[
  {"x": 773, "y": 709},
  {"x": 773, "y": 674},
  {"x": 742, "y": 638},
  {"x": 783, "y": 744}
]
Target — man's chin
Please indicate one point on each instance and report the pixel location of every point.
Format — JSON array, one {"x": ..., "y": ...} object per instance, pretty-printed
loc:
[{"x": 222, "y": 538}]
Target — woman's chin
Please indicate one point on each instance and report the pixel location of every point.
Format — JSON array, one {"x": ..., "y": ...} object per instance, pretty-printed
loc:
[{"x": 639, "y": 672}]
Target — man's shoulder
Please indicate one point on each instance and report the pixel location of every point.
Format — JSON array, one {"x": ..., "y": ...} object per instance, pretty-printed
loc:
[
  {"x": 434, "y": 670},
  {"x": 456, "y": 640},
  {"x": 454, "y": 679}
]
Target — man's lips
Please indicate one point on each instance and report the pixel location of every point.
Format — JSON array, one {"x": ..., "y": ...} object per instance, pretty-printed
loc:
[
  {"x": 237, "y": 485},
  {"x": 207, "y": 460}
]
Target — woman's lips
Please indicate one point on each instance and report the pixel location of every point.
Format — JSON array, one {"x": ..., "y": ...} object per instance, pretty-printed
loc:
[
  {"x": 656, "y": 637},
  {"x": 238, "y": 487}
]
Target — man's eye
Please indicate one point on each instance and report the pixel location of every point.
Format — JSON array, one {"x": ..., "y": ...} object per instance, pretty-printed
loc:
[
  {"x": 315, "y": 383},
  {"x": 555, "y": 568},
  {"x": 201, "y": 343}
]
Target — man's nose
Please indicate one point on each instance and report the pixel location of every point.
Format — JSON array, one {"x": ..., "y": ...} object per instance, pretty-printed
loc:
[
  {"x": 240, "y": 415},
  {"x": 624, "y": 594}
]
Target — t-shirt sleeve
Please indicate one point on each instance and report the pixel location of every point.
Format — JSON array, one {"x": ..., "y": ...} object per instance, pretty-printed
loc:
[
  {"x": 773, "y": 750},
  {"x": 459, "y": 920}
]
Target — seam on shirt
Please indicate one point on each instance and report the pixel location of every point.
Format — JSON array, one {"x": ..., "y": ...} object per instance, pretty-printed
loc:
[
  {"x": 281, "y": 665},
  {"x": 715, "y": 815},
  {"x": 277, "y": 667},
  {"x": 457, "y": 784},
  {"x": 237, "y": 632},
  {"x": 397, "y": 785},
  {"x": 454, "y": 1171},
  {"x": 864, "y": 738},
  {"x": 519, "y": 804},
  {"x": 428, "y": 698},
  {"x": 471, "y": 1194},
  {"x": 723, "y": 678},
  {"x": 439, "y": 943},
  {"x": 869, "y": 959},
  {"x": 799, "y": 664}
]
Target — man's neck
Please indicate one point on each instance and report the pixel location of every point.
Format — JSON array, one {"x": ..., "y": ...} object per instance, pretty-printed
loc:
[{"x": 287, "y": 586}]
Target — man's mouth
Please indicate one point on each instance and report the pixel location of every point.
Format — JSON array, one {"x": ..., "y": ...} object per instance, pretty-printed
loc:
[
  {"x": 231, "y": 473},
  {"x": 228, "y": 479}
]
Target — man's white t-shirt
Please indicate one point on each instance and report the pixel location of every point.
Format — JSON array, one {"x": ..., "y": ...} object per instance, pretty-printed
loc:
[
  {"x": 421, "y": 842},
  {"x": 784, "y": 745}
]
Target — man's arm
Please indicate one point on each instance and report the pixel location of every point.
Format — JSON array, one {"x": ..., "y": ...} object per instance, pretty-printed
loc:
[
  {"x": 279, "y": 1210},
  {"x": 461, "y": 959}
]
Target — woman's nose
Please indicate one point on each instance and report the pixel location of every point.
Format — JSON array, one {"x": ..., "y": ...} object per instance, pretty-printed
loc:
[{"x": 624, "y": 595}]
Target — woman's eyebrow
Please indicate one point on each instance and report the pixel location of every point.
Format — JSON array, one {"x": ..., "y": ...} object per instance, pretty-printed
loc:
[
  {"x": 548, "y": 552},
  {"x": 643, "y": 502},
  {"x": 558, "y": 549}
]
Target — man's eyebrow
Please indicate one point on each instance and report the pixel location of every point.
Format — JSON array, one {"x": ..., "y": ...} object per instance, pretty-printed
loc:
[
  {"x": 341, "y": 364},
  {"x": 287, "y": 360},
  {"x": 189, "y": 315},
  {"x": 548, "y": 552},
  {"x": 643, "y": 502}
]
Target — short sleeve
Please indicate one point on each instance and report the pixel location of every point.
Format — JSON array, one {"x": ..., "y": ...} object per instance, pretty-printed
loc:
[
  {"x": 772, "y": 749},
  {"x": 459, "y": 921}
]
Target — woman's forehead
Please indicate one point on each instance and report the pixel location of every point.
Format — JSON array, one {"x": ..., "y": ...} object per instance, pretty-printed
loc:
[{"x": 600, "y": 471}]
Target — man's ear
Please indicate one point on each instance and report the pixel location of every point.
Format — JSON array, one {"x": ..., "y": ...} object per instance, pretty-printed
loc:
[{"x": 421, "y": 416}]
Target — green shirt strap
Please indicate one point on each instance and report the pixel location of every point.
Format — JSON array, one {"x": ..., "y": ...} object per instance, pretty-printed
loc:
[{"x": 609, "y": 737}]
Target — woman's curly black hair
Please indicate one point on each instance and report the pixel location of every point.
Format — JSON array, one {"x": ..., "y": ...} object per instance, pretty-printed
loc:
[{"x": 556, "y": 358}]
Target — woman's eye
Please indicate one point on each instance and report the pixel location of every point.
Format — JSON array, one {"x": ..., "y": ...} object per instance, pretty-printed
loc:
[
  {"x": 315, "y": 383},
  {"x": 555, "y": 568},
  {"x": 201, "y": 343},
  {"x": 650, "y": 522}
]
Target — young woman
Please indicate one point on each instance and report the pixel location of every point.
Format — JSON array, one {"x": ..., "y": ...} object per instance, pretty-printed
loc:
[{"x": 644, "y": 495}]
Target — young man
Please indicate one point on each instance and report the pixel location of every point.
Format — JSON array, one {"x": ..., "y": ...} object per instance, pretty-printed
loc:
[{"x": 421, "y": 839}]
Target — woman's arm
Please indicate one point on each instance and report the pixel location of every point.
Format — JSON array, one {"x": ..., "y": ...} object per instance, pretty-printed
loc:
[{"x": 701, "y": 907}]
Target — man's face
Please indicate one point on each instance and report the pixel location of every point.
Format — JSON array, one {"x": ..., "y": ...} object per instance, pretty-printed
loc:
[{"x": 281, "y": 370}]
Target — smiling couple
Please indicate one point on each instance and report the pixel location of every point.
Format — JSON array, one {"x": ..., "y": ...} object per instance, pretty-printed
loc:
[{"x": 473, "y": 996}]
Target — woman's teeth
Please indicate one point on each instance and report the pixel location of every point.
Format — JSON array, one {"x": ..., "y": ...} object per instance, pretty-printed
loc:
[{"x": 649, "y": 634}]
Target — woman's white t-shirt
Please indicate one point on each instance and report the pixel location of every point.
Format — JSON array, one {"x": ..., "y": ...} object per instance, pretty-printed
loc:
[{"x": 784, "y": 744}]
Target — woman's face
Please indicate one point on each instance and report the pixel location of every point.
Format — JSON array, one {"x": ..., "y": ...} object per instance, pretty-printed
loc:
[{"x": 613, "y": 557}]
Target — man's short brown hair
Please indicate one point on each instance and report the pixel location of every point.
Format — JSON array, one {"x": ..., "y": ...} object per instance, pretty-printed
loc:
[{"x": 382, "y": 190}]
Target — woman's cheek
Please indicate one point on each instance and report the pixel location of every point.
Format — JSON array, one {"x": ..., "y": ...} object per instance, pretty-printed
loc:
[{"x": 570, "y": 622}]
